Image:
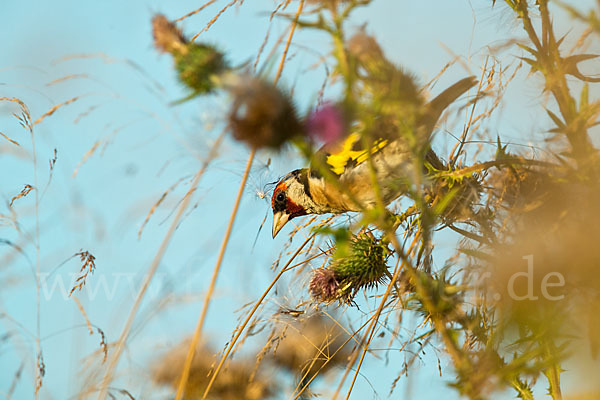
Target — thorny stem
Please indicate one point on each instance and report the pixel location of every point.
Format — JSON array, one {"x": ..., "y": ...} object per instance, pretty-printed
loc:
[
  {"x": 552, "y": 67},
  {"x": 461, "y": 362},
  {"x": 151, "y": 272},
  {"x": 553, "y": 371},
  {"x": 373, "y": 176}
]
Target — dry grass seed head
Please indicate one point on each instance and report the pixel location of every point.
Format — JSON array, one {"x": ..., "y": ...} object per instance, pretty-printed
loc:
[
  {"x": 87, "y": 268},
  {"x": 309, "y": 346},
  {"x": 28, "y": 188},
  {"x": 233, "y": 383}
]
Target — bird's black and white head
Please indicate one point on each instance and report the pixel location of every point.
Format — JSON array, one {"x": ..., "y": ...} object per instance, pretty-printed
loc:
[{"x": 291, "y": 199}]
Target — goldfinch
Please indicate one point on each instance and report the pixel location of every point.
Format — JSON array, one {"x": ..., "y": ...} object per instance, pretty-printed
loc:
[{"x": 305, "y": 191}]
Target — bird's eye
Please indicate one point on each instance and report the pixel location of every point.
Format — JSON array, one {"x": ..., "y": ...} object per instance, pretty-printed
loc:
[{"x": 280, "y": 197}]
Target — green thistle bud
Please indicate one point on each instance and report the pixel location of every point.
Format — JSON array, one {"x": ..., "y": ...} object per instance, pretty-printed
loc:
[
  {"x": 199, "y": 66},
  {"x": 361, "y": 265}
]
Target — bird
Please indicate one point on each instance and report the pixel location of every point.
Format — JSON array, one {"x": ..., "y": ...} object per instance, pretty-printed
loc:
[{"x": 306, "y": 191}]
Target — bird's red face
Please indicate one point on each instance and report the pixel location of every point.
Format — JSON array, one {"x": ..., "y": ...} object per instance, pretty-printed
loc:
[{"x": 284, "y": 207}]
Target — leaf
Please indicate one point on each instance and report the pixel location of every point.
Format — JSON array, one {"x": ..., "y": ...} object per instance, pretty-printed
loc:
[
  {"x": 571, "y": 67},
  {"x": 528, "y": 49},
  {"x": 577, "y": 58},
  {"x": 556, "y": 120},
  {"x": 511, "y": 4},
  {"x": 559, "y": 42},
  {"x": 341, "y": 235},
  {"x": 501, "y": 153},
  {"x": 532, "y": 63},
  {"x": 523, "y": 389}
]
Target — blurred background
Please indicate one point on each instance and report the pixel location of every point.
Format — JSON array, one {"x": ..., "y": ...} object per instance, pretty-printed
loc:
[{"x": 110, "y": 153}]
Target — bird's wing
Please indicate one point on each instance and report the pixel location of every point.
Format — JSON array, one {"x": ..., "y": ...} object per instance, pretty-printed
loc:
[
  {"x": 347, "y": 153},
  {"x": 350, "y": 152}
]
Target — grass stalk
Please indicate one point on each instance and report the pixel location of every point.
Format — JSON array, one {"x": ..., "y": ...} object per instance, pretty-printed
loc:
[
  {"x": 120, "y": 345},
  {"x": 185, "y": 373},
  {"x": 251, "y": 314},
  {"x": 197, "y": 332}
]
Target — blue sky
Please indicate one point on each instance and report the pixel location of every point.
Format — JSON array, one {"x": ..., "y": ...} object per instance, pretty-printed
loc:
[{"x": 145, "y": 145}]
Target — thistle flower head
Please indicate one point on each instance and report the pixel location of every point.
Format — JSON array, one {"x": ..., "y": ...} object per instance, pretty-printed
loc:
[
  {"x": 327, "y": 123},
  {"x": 312, "y": 345},
  {"x": 323, "y": 286},
  {"x": 359, "y": 264},
  {"x": 199, "y": 66},
  {"x": 363, "y": 265},
  {"x": 261, "y": 115},
  {"x": 240, "y": 380}
]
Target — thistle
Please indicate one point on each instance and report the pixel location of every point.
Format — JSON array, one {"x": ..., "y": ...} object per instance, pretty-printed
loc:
[
  {"x": 327, "y": 123},
  {"x": 261, "y": 115},
  {"x": 360, "y": 264},
  {"x": 199, "y": 66},
  {"x": 323, "y": 286}
]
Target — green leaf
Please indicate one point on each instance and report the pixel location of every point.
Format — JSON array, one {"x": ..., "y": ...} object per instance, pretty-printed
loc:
[
  {"x": 341, "y": 234},
  {"x": 501, "y": 153},
  {"x": 523, "y": 389},
  {"x": 445, "y": 201}
]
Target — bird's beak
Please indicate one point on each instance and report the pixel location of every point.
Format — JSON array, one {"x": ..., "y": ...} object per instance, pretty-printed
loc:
[{"x": 279, "y": 220}]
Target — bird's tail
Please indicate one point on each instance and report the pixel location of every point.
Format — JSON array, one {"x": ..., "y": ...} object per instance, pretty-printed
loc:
[{"x": 435, "y": 108}]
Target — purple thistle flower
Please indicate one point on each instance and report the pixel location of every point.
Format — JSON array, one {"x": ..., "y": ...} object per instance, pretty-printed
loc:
[
  {"x": 323, "y": 285},
  {"x": 326, "y": 123}
]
